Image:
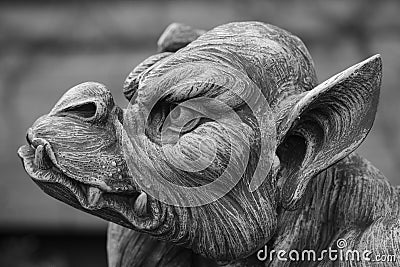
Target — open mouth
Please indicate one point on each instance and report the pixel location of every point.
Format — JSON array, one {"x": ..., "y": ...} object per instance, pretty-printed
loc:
[{"x": 127, "y": 209}]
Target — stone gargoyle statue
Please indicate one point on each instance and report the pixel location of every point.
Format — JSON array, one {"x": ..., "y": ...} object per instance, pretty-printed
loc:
[{"x": 229, "y": 150}]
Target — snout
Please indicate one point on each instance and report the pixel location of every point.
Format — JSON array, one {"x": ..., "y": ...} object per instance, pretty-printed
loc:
[
  {"x": 80, "y": 107},
  {"x": 88, "y": 102},
  {"x": 78, "y": 137}
]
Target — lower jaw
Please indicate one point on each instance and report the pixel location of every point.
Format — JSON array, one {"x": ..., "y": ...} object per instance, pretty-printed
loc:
[{"x": 117, "y": 208}]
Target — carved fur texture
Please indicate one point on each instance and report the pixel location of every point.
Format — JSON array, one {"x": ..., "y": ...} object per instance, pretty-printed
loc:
[{"x": 102, "y": 159}]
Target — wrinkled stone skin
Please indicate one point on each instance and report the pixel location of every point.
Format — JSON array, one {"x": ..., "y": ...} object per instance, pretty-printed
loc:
[{"x": 317, "y": 191}]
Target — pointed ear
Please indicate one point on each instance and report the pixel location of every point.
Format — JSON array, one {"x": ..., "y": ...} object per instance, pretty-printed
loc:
[
  {"x": 177, "y": 36},
  {"x": 326, "y": 124}
]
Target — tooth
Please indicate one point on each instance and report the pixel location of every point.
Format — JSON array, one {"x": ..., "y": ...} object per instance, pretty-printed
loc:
[
  {"x": 40, "y": 160},
  {"x": 93, "y": 196},
  {"x": 50, "y": 154},
  {"x": 140, "y": 205}
]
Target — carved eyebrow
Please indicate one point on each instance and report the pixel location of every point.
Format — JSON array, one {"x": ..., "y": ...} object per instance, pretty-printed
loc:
[
  {"x": 192, "y": 89},
  {"x": 161, "y": 85},
  {"x": 223, "y": 83},
  {"x": 226, "y": 88}
]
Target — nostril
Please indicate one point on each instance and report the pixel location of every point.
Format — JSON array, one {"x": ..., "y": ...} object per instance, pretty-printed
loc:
[
  {"x": 28, "y": 139},
  {"x": 29, "y": 136},
  {"x": 85, "y": 110},
  {"x": 89, "y": 102}
]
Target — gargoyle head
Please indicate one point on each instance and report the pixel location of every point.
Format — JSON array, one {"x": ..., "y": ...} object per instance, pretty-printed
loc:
[{"x": 217, "y": 138}]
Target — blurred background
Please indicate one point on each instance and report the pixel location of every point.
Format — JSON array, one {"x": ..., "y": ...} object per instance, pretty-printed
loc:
[{"x": 46, "y": 47}]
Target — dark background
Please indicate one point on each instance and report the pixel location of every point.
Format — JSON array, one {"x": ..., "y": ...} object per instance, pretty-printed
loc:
[{"x": 46, "y": 47}]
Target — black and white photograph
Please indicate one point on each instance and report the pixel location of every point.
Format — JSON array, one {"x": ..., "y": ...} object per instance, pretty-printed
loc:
[{"x": 199, "y": 133}]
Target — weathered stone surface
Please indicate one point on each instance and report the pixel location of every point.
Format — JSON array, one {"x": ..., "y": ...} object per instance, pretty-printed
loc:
[{"x": 316, "y": 191}]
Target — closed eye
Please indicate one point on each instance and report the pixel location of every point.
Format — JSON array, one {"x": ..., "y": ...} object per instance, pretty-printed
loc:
[
  {"x": 172, "y": 117},
  {"x": 182, "y": 119}
]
